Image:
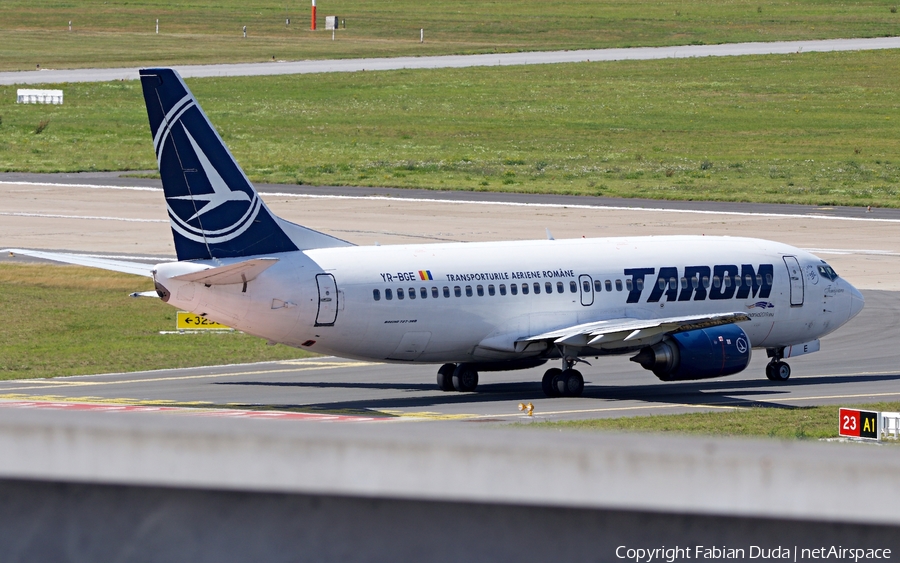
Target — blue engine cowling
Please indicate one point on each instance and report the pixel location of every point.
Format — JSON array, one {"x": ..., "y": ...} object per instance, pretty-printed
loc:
[{"x": 698, "y": 354}]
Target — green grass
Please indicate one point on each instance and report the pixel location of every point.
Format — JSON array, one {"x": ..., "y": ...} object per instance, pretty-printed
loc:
[
  {"x": 818, "y": 128},
  {"x": 805, "y": 423},
  {"x": 113, "y": 33},
  {"x": 67, "y": 320}
]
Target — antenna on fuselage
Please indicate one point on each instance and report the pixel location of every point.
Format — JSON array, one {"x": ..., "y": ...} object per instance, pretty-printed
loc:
[{"x": 549, "y": 234}]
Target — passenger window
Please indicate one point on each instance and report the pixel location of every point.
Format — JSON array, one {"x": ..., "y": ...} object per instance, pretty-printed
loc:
[
  {"x": 661, "y": 283},
  {"x": 524, "y": 289},
  {"x": 608, "y": 285},
  {"x": 618, "y": 285},
  {"x": 423, "y": 292},
  {"x": 434, "y": 292},
  {"x": 768, "y": 279},
  {"x": 503, "y": 289},
  {"x": 560, "y": 288},
  {"x": 573, "y": 287},
  {"x": 640, "y": 284},
  {"x": 537, "y": 288},
  {"x": 673, "y": 283},
  {"x": 684, "y": 283},
  {"x": 758, "y": 279},
  {"x": 388, "y": 294},
  {"x": 586, "y": 286},
  {"x": 480, "y": 290},
  {"x": 717, "y": 283},
  {"x": 468, "y": 291},
  {"x": 376, "y": 295},
  {"x": 491, "y": 290},
  {"x": 748, "y": 280},
  {"x": 628, "y": 284},
  {"x": 705, "y": 282},
  {"x": 412, "y": 293},
  {"x": 514, "y": 289},
  {"x": 695, "y": 282},
  {"x": 446, "y": 291},
  {"x": 726, "y": 279},
  {"x": 548, "y": 287},
  {"x": 598, "y": 286},
  {"x": 399, "y": 293},
  {"x": 457, "y": 291}
]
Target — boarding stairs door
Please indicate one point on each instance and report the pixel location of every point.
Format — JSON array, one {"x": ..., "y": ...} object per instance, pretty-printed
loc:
[{"x": 328, "y": 300}]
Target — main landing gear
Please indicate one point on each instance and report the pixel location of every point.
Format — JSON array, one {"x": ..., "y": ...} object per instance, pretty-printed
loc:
[
  {"x": 457, "y": 377},
  {"x": 566, "y": 382},
  {"x": 777, "y": 369}
]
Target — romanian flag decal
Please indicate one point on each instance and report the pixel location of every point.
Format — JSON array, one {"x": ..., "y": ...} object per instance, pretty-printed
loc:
[{"x": 425, "y": 275}]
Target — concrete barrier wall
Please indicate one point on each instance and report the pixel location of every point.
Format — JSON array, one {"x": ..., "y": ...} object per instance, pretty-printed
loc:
[
  {"x": 46, "y": 521},
  {"x": 132, "y": 487},
  {"x": 458, "y": 463}
]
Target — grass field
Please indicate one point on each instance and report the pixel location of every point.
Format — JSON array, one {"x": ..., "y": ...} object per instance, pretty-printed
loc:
[
  {"x": 805, "y": 128},
  {"x": 114, "y": 33},
  {"x": 807, "y": 423},
  {"x": 67, "y": 320}
]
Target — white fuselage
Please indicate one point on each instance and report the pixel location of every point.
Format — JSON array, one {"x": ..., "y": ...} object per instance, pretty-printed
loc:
[{"x": 467, "y": 311}]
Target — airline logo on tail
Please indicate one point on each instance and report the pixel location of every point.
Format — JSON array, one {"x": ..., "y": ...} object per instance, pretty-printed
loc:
[
  {"x": 220, "y": 195},
  {"x": 182, "y": 216}
]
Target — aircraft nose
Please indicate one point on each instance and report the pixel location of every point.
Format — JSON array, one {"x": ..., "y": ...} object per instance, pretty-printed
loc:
[{"x": 857, "y": 301}]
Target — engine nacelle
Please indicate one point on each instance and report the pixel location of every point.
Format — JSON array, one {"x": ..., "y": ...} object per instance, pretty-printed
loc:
[{"x": 698, "y": 354}]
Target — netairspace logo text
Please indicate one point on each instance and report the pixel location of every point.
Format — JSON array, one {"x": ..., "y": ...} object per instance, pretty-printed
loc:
[{"x": 753, "y": 552}]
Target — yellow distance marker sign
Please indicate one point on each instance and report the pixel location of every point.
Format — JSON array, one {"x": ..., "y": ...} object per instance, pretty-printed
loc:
[{"x": 191, "y": 321}]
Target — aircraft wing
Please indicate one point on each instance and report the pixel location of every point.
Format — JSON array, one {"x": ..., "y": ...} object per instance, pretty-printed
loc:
[
  {"x": 626, "y": 333},
  {"x": 135, "y": 268}
]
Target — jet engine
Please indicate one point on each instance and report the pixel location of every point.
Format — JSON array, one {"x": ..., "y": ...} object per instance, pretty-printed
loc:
[{"x": 697, "y": 354}]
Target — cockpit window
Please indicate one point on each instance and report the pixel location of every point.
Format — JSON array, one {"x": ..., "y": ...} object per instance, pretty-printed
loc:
[{"x": 828, "y": 272}]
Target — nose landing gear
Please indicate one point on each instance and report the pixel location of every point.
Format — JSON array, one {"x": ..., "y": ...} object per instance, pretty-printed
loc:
[{"x": 777, "y": 369}]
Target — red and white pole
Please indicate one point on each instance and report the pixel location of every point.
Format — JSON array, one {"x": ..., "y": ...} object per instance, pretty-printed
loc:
[{"x": 314, "y": 15}]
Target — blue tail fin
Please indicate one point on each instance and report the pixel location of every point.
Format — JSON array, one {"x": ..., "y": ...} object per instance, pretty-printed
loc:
[{"x": 213, "y": 209}]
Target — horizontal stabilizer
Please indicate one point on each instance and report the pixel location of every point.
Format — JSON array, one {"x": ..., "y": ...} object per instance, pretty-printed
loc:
[
  {"x": 135, "y": 268},
  {"x": 151, "y": 294},
  {"x": 241, "y": 272}
]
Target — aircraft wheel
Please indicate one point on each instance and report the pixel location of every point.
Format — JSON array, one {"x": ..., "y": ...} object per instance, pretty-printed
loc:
[
  {"x": 570, "y": 383},
  {"x": 465, "y": 378},
  {"x": 548, "y": 383},
  {"x": 781, "y": 371},
  {"x": 445, "y": 377}
]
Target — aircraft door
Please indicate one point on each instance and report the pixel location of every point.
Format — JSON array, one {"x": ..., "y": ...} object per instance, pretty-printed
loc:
[
  {"x": 796, "y": 277},
  {"x": 586, "y": 287},
  {"x": 328, "y": 300}
]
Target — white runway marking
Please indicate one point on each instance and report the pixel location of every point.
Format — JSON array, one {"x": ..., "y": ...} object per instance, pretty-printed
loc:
[
  {"x": 92, "y": 217},
  {"x": 501, "y": 203}
]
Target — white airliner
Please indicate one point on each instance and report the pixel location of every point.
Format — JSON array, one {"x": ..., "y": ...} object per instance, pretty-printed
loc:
[{"x": 685, "y": 307}]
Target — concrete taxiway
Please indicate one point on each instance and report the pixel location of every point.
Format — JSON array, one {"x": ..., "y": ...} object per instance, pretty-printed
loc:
[{"x": 855, "y": 365}]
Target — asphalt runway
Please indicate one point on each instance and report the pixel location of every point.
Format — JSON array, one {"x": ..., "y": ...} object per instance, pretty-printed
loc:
[
  {"x": 48, "y": 76},
  {"x": 856, "y": 365}
]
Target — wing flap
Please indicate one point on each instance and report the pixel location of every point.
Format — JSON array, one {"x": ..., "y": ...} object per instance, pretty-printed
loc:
[
  {"x": 618, "y": 333},
  {"x": 240, "y": 272}
]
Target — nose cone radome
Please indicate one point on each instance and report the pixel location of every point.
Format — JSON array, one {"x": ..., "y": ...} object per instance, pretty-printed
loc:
[{"x": 857, "y": 301}]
